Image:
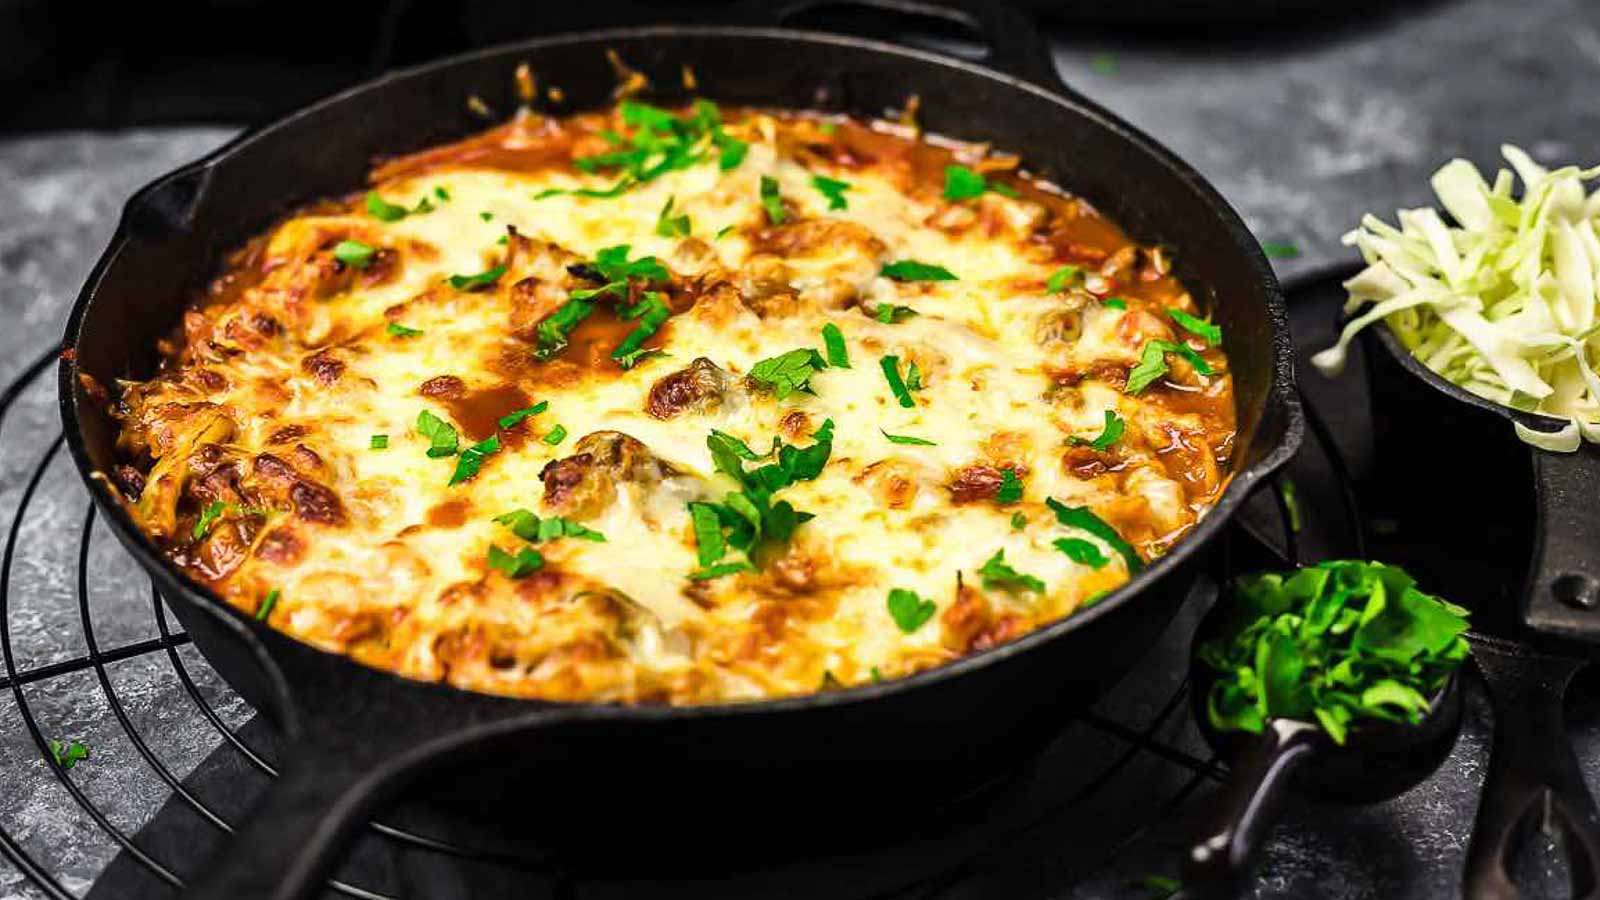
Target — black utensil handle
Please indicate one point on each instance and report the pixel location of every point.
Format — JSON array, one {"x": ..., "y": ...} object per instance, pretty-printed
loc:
[
  {"x": 300, "y": 829},
  {"x": 1532, "y": 772},
  {"x": 1564, "y": 584},
  {"x": 1219, "y": 859},
  {"x": 1015, "y": 45}
]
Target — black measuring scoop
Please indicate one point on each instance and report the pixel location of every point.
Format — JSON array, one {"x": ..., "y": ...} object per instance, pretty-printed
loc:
[{"x": 1377, "y": 761}]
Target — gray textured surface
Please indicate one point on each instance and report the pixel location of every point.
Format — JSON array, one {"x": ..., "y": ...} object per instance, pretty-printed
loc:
[{"x": 1302, "y": 133}]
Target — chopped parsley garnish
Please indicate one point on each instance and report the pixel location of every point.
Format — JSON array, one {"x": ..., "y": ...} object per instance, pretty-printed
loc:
[
  {"x": 1062, "y": 278},
  {"x": 669, "y": 225},
  {"x": 892, "y": 314},
  {"x": 661, "y": 143},
  {"x": 961, "y": 183},
  {"x": 555, "y": 331},
  {"x": 720, "y": 569},
  {"x": 1210, "y": 333},
  {"x": 480, "y": 280},
  {"x": 208, "y": 517},
  {"x": 441, "y": 193},
  {"x": 1331, "y": 643},
  {"x": 1081, "y": 551},
  {"x": 1114, "y": 303},
  {"x": 721, "y": 443},
  {"x": 1084, "y": 519},
  {"x": 999, "y": 575},
  {"x": 555, "y": 435},
  {"x": 911, "y": 270},
  {"x": 1153, "y": 364},
  {"x": 833, "y": 189},
  {"x": 1115, "y": 425},
  {"x": 525, "y": 562},
  {"x": 833, "y": 344},
  {"x": 898, "y": 386},
  {"x": 707, "y": 525},
  {"x": 486, "y": 216},
  {"x": 395, "y": 329},
  {"x": 1018, "y": 521},
  {"x": 1010, "y": 490},
  {"x": 788, "y": 372},
  {"x": 353, "y": 253},
  {"x": 526, "y": 524},
  {"x": 651, "y": 312},
  {"x": 907, "y": 439},
  {"x": 68, "y": 753},
  {"x": 265, "y": 609},
  {"x": 771, "y": 201},
  {"x": 909, "y": 610},
  {"x": 512, "y": 418},
  {"x": 441, "y": 435},
  {"x": 750, "y": 516},
  {"x": 382, "y": 209},
  {"x": 722, "y": 232},
  {"x": 378, "y": 442},
  {"x": 471, "y": 459},
  {"x": 1280, "y": 249}
]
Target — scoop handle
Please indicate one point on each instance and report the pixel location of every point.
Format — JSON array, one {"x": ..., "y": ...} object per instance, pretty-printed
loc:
[
  {"x": 1532, "y": 773},
  {"x": 1221, "y": 855},
  {"x": 1563, "y": 597}
]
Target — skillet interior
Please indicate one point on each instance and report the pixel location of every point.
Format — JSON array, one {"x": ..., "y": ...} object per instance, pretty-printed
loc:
[{"x": 944, "y": 731}]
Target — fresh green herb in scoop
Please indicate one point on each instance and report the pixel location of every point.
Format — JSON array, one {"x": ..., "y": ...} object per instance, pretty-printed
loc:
[{"x": 1332, "y": 643}]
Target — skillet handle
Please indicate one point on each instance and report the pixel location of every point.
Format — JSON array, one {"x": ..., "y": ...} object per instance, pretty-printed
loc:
[
  {"x": 1015, "y": 45},
  {"x": 1219, "y": 861},
  {"x": 1564, "y": 586},
  {"x": 1533, "y": 773}
]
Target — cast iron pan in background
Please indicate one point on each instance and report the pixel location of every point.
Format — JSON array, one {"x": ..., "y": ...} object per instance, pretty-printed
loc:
[
  {"x": 1450, "y": 467},
  {"x": 582, "y": 774}
]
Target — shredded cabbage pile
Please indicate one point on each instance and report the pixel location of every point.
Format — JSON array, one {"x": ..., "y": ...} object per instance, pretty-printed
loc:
[{"x": 1503, "y": 303}]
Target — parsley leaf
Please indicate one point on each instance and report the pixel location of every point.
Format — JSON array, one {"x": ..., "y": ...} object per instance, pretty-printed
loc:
[
  {"x": 1331, "y": 643},
  {"x": 669, "y": 225},
  {"x": 833, "y": 189},
  {"x": 472, "y": 458},
  {"x": 909, "y": 610},
  {"x": 833, "y": 343},
  {"x": 771, "y": 201},
  {"x": 788, "y": 372},
  {"x": 707, "y": 533},
  {"x": 441, "y": 435},
  {"x": 208, "y": 518},
  {"x": 614, "y": 265},
  {"x": 1083, "y": 518},
  {"x": 1153, "y": 364},
  {"x": 1210, "y": 333},
  {"x": 267, "y": 605},
  {"x": 907, "y": 439},
  {"x": 1112, "y": 432},
  {"x": 555, "y": 436},
  {"x": 556, "y": 331},
  {"x": 1081, "y": 551},
  {"x": 526, "y": 524},
  {"x": 512, "y": 418},
  {"x": 651, "y": 312},
  {"x": 911, "y": 270},
  {"x": 719, "y": 570},
  {"x": 525, "y": 562},
  {"x": 383, "y": 210},
  {"x": 1114, "y": 303},
  {"x": 1018, "y": 521},
  {"x": 68, "y": 753},
  {"x": 1010, "y": 490},
  {"x": 998, "y": 574},
  {"x": 395, "y": 329},
  {"x": 1062, "y": 278},
  {"x": 962, "y": 183},
  {"x": 480, "y": 280},
  {"x": 891, "y": 373},
  {"x": 891, "y": 314},
  {"x": 378, "y": 442},
  {"x": 354, "y": 253}
]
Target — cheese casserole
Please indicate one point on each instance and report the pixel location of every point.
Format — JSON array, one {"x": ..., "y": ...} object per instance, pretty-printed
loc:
[{"x": 679, "y": 406}]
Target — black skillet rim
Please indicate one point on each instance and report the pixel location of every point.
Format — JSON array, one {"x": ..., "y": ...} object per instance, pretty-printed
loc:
[{"x": 1281, "y": 402}]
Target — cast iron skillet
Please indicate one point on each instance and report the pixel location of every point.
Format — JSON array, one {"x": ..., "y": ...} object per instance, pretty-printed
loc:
[{"x": 634, "y": 778}]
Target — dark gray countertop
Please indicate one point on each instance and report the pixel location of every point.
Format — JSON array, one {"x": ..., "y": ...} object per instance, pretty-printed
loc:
[{"x": 1303, "y": 133}]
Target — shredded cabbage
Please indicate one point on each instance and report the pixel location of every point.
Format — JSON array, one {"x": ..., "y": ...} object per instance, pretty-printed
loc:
[{"x": 1503, "y": 303}]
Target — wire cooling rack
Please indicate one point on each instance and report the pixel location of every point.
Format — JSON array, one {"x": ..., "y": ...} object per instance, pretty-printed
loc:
[{"x": 1142, "y": 741}]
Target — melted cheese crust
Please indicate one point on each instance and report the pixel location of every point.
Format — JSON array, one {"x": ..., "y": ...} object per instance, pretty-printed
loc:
[{"x": 286, "y": 369}]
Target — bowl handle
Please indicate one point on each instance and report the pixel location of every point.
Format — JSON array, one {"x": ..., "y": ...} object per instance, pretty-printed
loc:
[
  {"x": 1219, "y": 860},
  {"x": 1563, "y": 596},
  {"x": 1532, "y": 772}
]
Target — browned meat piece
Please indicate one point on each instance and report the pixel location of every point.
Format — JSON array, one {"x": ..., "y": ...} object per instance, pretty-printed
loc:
[
  {"x": 585, "y": 483},
  {"x": 698, "y": 388},
  {"x": 980, "y": 481}
]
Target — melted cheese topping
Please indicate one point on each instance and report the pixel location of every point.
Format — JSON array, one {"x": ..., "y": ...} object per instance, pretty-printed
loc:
[{"x": 262, "y": 422}]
